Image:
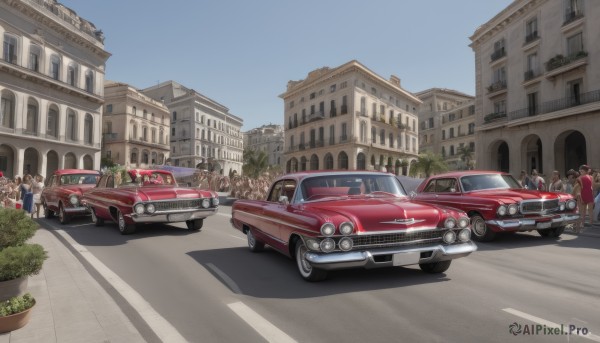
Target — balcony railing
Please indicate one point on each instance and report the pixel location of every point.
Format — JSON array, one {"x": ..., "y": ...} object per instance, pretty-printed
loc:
[
  {"x": 497, "y": 86},
  {"x": 531, "y": 37},
  {"x": 530, "y": 74},
  {"x": 110, "y": 137},
  {"x": 557, "y": 105},
  {"x": 343, "y": 139},
  {"x": 344, "y": 109},
  {"x": 571, "y": 15},
  {"x": 494, "y": 117},
  {"x": 498, "y": 54},
  {"x": 316, "y": 116},
  {"x": 560, "y": 60}
]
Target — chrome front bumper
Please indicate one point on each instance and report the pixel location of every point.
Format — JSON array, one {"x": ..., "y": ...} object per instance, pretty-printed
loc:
[
  {"x": 174, "y": 217},
  {"x": 79, "y": 210},
  {"x": 386, "y": 257},
  {"x": 537, "y": 223}
]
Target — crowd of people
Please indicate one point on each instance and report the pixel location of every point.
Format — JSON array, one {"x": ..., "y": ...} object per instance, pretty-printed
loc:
[
  {"x": 24, "y": 193},
  {"x": 239, "y": 187},
  {"x": 583, "y": 184}
]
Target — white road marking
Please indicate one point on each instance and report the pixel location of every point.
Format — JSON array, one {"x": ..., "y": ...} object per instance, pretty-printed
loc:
[
  {"x": 264, "y": 328},
  {"x": 161, "y": 327},
  {"x": 548, "y": 323},
  {"x": 78, "y": 225},
  {"x": 229, "y": 281},
  {"x": 243, "y": 239},
  {"x": 224, "y": 214}
]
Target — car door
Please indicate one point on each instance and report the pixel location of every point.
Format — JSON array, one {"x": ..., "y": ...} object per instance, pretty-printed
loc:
[
  {"x": 441, "y": 191},
  {"x": 280, "y": 214}
]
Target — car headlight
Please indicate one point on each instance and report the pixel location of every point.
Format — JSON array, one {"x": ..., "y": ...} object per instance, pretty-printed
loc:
[
  {"x": 345, "y": 244},
  {"x": 150, "y": 208},
  {"x": 501, "y": 210},
  {"x": 215, "y": 201},
  {"x": 562, "y": 206},
  {"x": 449, "y": 237},
  {"x": 139, "y": 208},
  {"x": 74, "y": 200},
  {"x": 464, "y": 235},
  {"x": 346, "y": 228},
  {"x": 513, "y": 209},
  {"x": 327, "y": 245},
  {"x": 463, "y": 222},
  {"x": 312, "y": 244},
  {"x": 571, "y": 204},
  {"x": 450, "y": 223},
  {"x": 206, "y": 203},
  {"x": 327, "y": 229}
]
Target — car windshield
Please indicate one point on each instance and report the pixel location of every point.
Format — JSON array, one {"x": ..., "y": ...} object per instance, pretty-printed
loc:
[
  {"x": 488, "y": 181},
  {"x": 148, "y": 178},
  {"x": 345, "y": 185},
  {"x": 79, "y": 179}
]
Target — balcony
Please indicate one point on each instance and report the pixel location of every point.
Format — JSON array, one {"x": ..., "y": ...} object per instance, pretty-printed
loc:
[
  {"x": 531, "y": 37},
  {"x": 557, "y": 105},
  {"x": 560, "y": 64},
  {"x": 110, "y": 137},
  {"x": 343, "y": 139},
  {"x": 316, "y": 116},
  {"x": 362, "y": 113},
  {"x": 344, "y": 109},
  {"x": 530, "y": 75},
  {"x": 572, "y": 15},
  {"x": 492, "y": 117},
  {"x": 498, "y": 54},
  {"x": 496, "y": 88},
  {"x": 333, "y": 112},
  {"x": 302, "y": 146}
]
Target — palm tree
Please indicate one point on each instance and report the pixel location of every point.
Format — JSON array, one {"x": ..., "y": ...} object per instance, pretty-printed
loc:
[
  {"x": 255, "y": 163},
  {"x": 466, "y": 154},
  {"x": 428, "y": 164}
]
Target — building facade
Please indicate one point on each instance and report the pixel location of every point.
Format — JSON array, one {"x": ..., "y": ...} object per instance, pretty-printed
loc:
[
  {"x": 51, "y": 88},
  {"x": 268, "y": 138},
  {"x": 447, "y": 126},
  {"x": 538, "y": 86},
  {"x": 203, "y": 133},
  {"x": 349, "y": 118},
  {"x": 135, "y": 127}
]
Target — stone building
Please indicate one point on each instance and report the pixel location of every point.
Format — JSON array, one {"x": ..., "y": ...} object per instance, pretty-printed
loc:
[
  {"x": 538, "y": 86},
  {"x": 51, "y": 88},
  {"x": 348, "y": 117},
  {"x": 135, "y": 127},
  {"x": 203, "y": 133},
  {"x": 447, "y": 126},
  {"x": 267, "y": 138}
]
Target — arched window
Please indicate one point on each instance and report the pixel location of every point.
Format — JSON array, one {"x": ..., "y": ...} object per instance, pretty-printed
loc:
[
  {"x": 361, "y": 161},
  {"x": 343, "y": 160},
  {"x": 363, "y": 132},
  {"x": 145, "y": 156},
  {"x": 35, "y": 57},
  {"x": 55, "y": 67},
  {"x": 391, "y": 140},
  {"x": 10, "y": 48},
  {"x": 88, "y": 129},
  {"x": 31, "y": 125},
  {"x": 7, "y": 110},
  {"x": 72, "y": 74},
  {"x": 303, "y": 163},
  {"x": 314, "y": 162},
  {"x": 134, "y": 133},
  {"x": 89, "y": 81},
  {"x": 71, "y": 125},
  {"x": 134, "y": 156},
  {"x": 134, "y": 110},
  {"x": 373, "y": 135},
  {"x": 382, "y": 137},
  {"x": 328, "y": 161},
  {"x": 52, "y": 129}
]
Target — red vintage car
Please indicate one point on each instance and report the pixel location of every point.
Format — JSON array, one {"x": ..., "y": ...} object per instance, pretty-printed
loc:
[
  {"x": 148, "y": 196},
  {"x": 496, "y": 202},
  {"x": 63, "y": 192},
  {"x": 348, "y": 219}
]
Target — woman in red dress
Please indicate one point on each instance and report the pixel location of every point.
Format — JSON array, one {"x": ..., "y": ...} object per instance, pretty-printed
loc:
[{"x": 587, "y": 195}]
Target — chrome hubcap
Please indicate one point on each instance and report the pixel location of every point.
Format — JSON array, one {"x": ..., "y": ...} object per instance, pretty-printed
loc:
[
  {"x": 251, "y": 240},
  {"x": 121, "y": 222},
  {"x": 304, "y": 265},
  {"x": 479, "y": 227}
]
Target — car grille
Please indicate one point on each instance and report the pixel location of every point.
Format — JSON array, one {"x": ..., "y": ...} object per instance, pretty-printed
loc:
[
  {"x": 539, "y": 206},
  {"x": 177, "y": 205},
  {"x": 393, "y": 239}
]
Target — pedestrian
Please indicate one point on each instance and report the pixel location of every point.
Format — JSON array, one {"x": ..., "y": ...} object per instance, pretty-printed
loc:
[
  {"x": 26, "y": 191},
  {"x": 570, "y": 181},
  {"x": 37, "y": 186},
  {"x": 556, "y": 184},
  {"x": 526, "y": 181},
  {"x": 538, "y": 181},
  {"x": 587, "y": 195}
]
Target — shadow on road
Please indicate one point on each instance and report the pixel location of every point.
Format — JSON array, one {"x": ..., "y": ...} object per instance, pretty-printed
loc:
[
  {"x": 532, "y": 239},
  {"x": 269, "y": 274}
]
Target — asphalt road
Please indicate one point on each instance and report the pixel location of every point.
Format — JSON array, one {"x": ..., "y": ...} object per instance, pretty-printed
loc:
[{"x": 211, "y": 288}]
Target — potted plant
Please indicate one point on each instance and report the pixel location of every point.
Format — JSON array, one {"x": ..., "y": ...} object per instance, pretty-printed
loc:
[
  {"x": 15, "y": 312},
  {"x": 18, "y": 260}
]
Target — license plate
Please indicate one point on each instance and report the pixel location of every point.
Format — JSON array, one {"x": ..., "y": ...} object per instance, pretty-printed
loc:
[
  {"x": 544, "y": 225},
  {"x": 406, "y": 258},
  {"x": 179, "y": 217}
]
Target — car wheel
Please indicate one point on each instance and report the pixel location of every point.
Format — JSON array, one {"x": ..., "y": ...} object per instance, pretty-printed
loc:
[
  {"x": 307, "y": 271},
  {"x": 436, "y": 267},
  {"x": 195, "y": 224},
  {"x": 48, "y": 213},
  {"x": 254, "y": 244},
  {"x": 481, "y": 232},
  {"x": 555, "y": 232},
  {"x": 123, "y": 226},
  {"x": 63, "y": 218},
  {"x": 97, "y": 221}
]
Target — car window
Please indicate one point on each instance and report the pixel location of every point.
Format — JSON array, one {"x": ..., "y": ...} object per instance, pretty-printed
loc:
[
  {"x": 110, "y": 182},
  {"x": 328, "y": 186},
  {"x": 488, "y": 181},
  {"x": 430, "y": 188},
  {"x": 275, "y": 192},
  {"x": 445, "y": 186}
]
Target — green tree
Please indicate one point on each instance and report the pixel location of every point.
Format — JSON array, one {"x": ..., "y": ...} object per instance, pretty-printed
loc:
[
  {"x": 255, "y": 163},
  {"x": 428, "y": 164},
  {"x": 466, "y": 154}
]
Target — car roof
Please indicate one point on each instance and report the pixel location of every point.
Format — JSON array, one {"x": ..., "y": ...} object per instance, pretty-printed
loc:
[
  {"x": 461, "y": 173},
  {"x": 76, "y": 171},
  {"x": 304, "y": 174}
]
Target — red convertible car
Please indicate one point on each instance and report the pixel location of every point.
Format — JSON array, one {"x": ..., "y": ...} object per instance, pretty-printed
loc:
[
  {"x": 148, "y": 196},
  {"x": 347, "y": 219},
  {"x": 496, "y": 202},
  {"x": 63, "y": 192}
]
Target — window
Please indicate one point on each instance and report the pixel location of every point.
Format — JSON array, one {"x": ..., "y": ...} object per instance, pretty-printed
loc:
[
  {"x": 471, "y": 128},
  {"x": 72, "y": 74},
  {"x": 500, "y": 107},
  {"x": 331, "y": 134},
  {"x": 175, "y": 117},
  {"x": 363, "y": 106},
  {"x": 499, "y": 75},
  {"x": 35, "y": 54},
  {"x": 532, "y": 103},
  {"x": 452, "y": 150},
  {"x": 31, "y": 126},
  {"x": 332, "y": 88},
  {"x": 109, "y": 108},
  {"x": 291, "y": 104},
  {"x": 532, "y": 66},
  {"x": 343, "y": 84},
  {"x": 344, "y": 131},
  {"x": 10, "y": 48},
  {"x": 52, "y": 124},
  {"x": 363, "y": 132},
  {"x": 145, "y": 134},
  {"x": 312, "y": 95},
  {"x": 373, "y": 135},
  {"x": 88, "y": 130},
  {"x": 575, "y": 44},
  {"x": 172, "y": 132},
  {"x": 89, "y": 81},
  {"x": 391, "y": 140},
  {"x": 574, "y": 92},
  {"x": 71, "y": 125},
  {"x": 55, "y": 67},
  {"x": 531, "y": 30},
  {"x": 7, "y": 110},
  {"x": 382, "y": 137}
]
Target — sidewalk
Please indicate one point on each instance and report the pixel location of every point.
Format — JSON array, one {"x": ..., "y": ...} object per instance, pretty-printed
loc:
[{"x": 71, "y": 306}]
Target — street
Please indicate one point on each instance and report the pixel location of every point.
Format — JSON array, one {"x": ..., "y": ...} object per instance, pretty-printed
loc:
[{"x": 211, "y": 288}]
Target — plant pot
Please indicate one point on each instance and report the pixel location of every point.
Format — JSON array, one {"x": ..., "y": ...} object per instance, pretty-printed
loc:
[
  {"x": 15, "y": 321},
  {"x": 13, "y": 288}
]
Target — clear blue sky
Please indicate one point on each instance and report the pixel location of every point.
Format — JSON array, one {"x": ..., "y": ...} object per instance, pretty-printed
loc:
[{"x": 242, "y": 53}]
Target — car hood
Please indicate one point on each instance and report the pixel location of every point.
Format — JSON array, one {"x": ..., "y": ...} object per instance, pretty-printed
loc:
[
  {"x": 162, "y": 193},
  {"x": 513, "y": 195},
  {"x": 382, "y": 214}
]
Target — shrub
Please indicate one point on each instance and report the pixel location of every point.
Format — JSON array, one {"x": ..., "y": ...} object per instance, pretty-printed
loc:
[
  {"x": 16, "y": 227},
  {"x": 24, "y": 260},
  {"x": 16, "y": 305}
]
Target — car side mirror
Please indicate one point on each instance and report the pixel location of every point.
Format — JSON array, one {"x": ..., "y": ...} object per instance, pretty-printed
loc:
[{"x": 283, "y": 199}]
